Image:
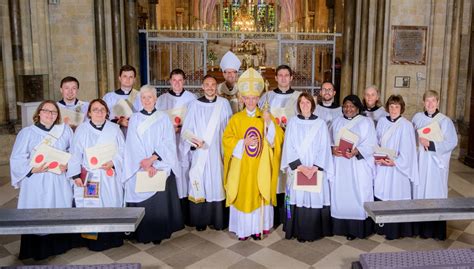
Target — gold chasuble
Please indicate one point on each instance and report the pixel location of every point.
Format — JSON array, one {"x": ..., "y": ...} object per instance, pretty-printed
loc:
[{"x": 254, "y": 177}]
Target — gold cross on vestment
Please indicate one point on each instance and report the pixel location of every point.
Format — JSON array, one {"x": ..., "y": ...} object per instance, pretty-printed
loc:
[{"x": 196, "y": 185}]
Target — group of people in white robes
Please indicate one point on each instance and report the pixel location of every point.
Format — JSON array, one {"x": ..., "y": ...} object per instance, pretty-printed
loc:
[{"x": 240, "y": 171}]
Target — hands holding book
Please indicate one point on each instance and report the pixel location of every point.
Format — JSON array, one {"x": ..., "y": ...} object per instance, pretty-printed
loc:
[
  {"x": 308, "y": 171},
  {"x": 384, "y": 161},
  {"x": 336, "y": 151},
  {"x": 425, "y": 142}
]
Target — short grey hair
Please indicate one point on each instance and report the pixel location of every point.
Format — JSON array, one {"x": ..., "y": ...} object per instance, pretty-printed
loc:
[{"x": 148, "y": 88}]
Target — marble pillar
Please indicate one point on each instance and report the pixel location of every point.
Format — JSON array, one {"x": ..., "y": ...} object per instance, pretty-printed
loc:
[
  {"x": 469, "y": 159},
  {"x": 379, "y": 32},
  {"x": 364, "y": 29},
  {"x": 454, "y": 60},
  {"x": 101, "y": 54},
  {"x": 116, "y": 38},
  {"x": 348, "y": 48},
  {"x": 17, "y": 46},
  {"x": 131, "y": 36}
]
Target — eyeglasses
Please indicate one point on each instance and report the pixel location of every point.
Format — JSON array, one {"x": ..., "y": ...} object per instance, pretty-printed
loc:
[
  {"x": 99, "y": 110},
  {"x": 50, "y": 112}
]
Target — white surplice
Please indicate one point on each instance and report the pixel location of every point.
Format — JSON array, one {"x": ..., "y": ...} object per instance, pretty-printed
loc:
[
  {"x": 111, "y": 98},
  {"x": 197, "y": 122},
  {"x": 39, "y": 190},
  {"x": 110, "y": 186},
  {"x": 278, "y": 99},
  {"x": 434, "y": 165},
  {"x": 317, "y": 152},
  {"x": 158, "y": 138},
  {"x": 395, "y": 182},
  {"x": 167, "y": 101},
  {"x": 376, "y": 114},
  {"x": 328, "y": 114},
  {"x": 353, "y": 181}
]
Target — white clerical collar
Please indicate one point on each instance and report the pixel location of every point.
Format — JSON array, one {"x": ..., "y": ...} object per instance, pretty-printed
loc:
[
  {"x": 327, "y": 104},
  {"x": 251, "y": 113}
]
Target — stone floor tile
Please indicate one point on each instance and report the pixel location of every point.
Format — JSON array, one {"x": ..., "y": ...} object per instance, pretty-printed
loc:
[
  {"x": 274, "y": 259},
  {"x": 246, "y": 264},
  {"x": 245, "y": 248},
  {"x": 221, "y": 259}
]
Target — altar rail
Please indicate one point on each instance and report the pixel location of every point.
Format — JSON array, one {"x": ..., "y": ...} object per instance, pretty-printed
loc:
[{"x": 310, "y": 55}]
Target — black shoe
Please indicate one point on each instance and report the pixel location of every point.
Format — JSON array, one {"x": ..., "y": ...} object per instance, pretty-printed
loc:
[
  {"x": 200, "y": 228},
  {"x": 301, "y": 240},
  {"x": 257, "y": 236},
  {"x": 157, "y": 242},
  {"x": 350, "y": 237}
]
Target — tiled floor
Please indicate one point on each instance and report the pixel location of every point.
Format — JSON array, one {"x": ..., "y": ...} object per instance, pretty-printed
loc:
[{"x": 211, "y": 249}]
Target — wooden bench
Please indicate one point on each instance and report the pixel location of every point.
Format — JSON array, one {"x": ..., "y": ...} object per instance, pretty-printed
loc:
[
  {"x": 69, "y": 220},
  {"x": 461, "y": 208}
]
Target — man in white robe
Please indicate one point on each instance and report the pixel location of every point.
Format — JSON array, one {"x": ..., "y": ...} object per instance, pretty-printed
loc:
[
  {"x": 433, "y": 159},
  {"x": 230, "y": 65},
  {"x": 327, "y": 109},
  {"x": 69, "y": 87},
  {"x": 397, "y": 174},
  {"x": 355, "y": 170},
  {"x": 175, "y": 103},
  {"x": 151, "y": 147},
  {"x": 206, "y": 119},
  {"x": 282, "y": 105},
  {"x": 126, "y": 92}
]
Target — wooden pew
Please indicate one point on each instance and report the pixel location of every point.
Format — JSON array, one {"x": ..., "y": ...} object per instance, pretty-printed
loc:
[{"x": 69, "y": 220}]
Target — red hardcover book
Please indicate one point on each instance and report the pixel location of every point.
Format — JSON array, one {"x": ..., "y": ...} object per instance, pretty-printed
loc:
[
  {"x": 83, "y": 174},
  {"x": 302, "y": 180},
  {"x": 378, "y": 156},
  {"x": 345, "y": 146}
]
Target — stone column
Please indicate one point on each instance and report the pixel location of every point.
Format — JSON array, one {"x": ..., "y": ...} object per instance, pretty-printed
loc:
[
  {"x": 364, "y": 29},
  {"x": 17, "y": 46},
  {"x": 100, "y": 47},
  {"x": 379, "y": 31},
  {"x": 454, "y": 60},
  {"x": 348, "y": 48},
  {"x": 469, "y": 159},
  {"x": 116, "y": 38},
  {"x": 131, "y": 36}
]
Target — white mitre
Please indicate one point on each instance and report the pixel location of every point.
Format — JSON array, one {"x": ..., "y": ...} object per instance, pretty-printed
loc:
[{"x": 230, "y": 61}]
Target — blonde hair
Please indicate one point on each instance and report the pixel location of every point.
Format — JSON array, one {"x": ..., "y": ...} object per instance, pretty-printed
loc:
[{"x": 431, "y": 93}]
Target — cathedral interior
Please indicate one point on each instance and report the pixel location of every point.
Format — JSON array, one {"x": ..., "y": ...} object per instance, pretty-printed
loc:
[{"x": 403, "y": 47}]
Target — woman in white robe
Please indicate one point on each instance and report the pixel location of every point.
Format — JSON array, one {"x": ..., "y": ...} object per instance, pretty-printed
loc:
[
  {"x": 396, "y": 174},
  {"x": 176, "y": 100},
  {"x": 371, "y": 103},
  {"x": 151, "y": 147},
  {"x": 206, "y": 117},
  {"x": 40, "y": 188},
  {"x": 102, "y": 185},
  {"x": 433, "y": 160},
  {"x": 354, "y": 172},
  {"x": 307, "y": 149}
]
